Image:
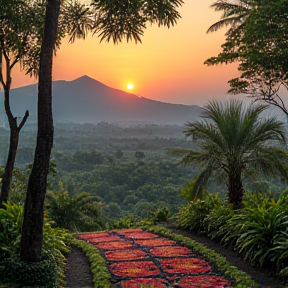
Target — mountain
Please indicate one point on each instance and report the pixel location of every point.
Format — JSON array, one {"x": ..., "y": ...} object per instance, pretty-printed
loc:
[{"x": 85, "y": 100}]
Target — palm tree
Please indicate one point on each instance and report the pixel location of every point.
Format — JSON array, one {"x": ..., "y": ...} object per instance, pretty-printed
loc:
[
  {"x": 79, "y": 213},
  {"x": 234, "y": 13},
  {"x": 231, "y": 141}
]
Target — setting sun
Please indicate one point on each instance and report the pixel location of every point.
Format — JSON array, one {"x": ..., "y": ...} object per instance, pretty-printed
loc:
[{"x": 130, "y": 86}]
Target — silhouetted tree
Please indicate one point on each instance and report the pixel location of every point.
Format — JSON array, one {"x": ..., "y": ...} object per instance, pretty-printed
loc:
[{"x": 115, "y": 20}]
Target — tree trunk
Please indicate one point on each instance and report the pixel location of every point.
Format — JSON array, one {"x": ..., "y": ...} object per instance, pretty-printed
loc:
[
  {"x": 7, "y": 177},
  {"x": 14, "y": 140},
  {"x": 32, "y": 228},
  {"x": 14, "y": 131},
  {"x": 235, "y": 191}
]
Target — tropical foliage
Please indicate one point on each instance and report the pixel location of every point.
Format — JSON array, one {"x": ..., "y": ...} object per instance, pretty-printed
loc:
[
  {"x": 258, "y": 231},
  {"x": 259, "y": 45},
  {"x": 234, "y": 14},
  {"x": 232, "y": 141},
  {"x": 48, "y": 273},
  {"x": 82, "y": 212}
]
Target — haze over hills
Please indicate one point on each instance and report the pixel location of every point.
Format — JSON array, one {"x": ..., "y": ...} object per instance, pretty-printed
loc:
[{"x": 86, "y": 100}]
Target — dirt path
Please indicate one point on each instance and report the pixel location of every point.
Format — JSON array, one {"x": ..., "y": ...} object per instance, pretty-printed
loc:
[{"x": 78, "y": 273}]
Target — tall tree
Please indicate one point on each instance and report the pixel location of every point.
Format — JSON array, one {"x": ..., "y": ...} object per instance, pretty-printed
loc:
[
  {"x": 115, "y": 20},
  {"x": 21, "y": 31},
  {"x": 15, "y": 31},
  {"x": 32, "y": 228},
  {"x": 231, "y": 141},
  {"x": 260, "y": 48}
]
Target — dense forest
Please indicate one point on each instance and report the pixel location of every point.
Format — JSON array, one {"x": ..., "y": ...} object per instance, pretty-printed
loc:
[{"x": 128, "y": 168}]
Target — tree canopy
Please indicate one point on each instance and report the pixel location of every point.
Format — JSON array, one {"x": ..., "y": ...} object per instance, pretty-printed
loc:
[
  {"x": 259, "y": 45},
  {"x": 233, "y": 141}
]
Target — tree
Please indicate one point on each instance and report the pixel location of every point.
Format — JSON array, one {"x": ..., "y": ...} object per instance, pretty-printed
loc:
[
  {"x": 260, "y": 47},
  {"x": 14, "y": 31},
  {"x": 115, "y": 20},
  {"x": 234, "y": 13},
  {"x": 79, "y": 213},
  {"x": 140, "y": 155},
  {"x": 21, "y": 31},
  {"x": 32, "y": 228},
  {"x": 233, "y": 141}
]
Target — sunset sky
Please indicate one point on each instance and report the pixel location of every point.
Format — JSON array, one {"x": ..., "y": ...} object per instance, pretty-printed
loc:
[{"x": 167, "y": 66}]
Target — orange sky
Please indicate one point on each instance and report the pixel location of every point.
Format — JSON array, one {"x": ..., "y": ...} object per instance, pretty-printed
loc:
[{"x": 167, "y": 66}]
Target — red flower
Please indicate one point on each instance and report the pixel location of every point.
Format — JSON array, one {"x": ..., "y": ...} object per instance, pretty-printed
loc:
[
  {"x": 93, "y": 235},
  {"x": 170, "y": 251},
  {"x": 155, "y": 242},
  {"x": 125, "y": 255},
  {"x": 184, "y": 265},
  {"x": 122, "y": 244},
  {"x": 146, "y": 282},
  {"x": 134, "y": 269},
  {"x": 140, "y": 235},
  {"x": 104, "y": 239},
  {"x": 130, "y": 230},
  {"x": 204, "y": 281}
]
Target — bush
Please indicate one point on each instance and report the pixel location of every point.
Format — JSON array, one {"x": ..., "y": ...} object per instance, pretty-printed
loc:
[
  {"x": 54, "y": 245},
  {"x": 217, "y": 218},
  {"x": 259, "y": 230},
  {"x": 192, "y": 215},
  {"x": 162, "y": 214},
  {"x": 42, "y": 274}
]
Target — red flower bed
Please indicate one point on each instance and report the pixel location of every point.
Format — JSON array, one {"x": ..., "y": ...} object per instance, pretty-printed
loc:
[
  {"x": 125, "y": 255},
  {"x": 134, "y": 269},
  {"x": 144, "y": 282},
  {"x": 155, "y": 242},
  {"x": 114, "y": 245},
  {"x": 104, "y": 239},
  {"x": 184, "y": 265},
  {"x": 130, "y": 230},
  {"x": 140, "y": 235},
  {"x": 170, "y": 251},
  {"x": 93, "y": 235},
  {"x": 204, "y": 281}
]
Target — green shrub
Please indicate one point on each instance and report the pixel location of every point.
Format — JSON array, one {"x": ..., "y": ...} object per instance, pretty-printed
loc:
[
  {"x": 42, "y": 274},
  {"x": 54, "y": 244},
  {"x": 217, "y": 218},
  {"x": 259, "y": 230},
  {"x": 124, "y": 222},
  {"x": 162, "y": 214},
  {"x": 192, "y": 215},
  {"x": 10, "y": 229}
]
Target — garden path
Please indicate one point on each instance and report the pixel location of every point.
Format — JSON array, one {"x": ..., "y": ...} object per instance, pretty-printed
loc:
[{"x": 79, "y": 274}]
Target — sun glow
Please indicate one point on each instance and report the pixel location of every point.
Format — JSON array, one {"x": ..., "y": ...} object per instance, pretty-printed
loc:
[{"x": 130, "y": 86}]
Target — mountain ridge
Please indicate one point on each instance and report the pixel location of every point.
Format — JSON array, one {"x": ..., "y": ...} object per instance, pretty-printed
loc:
[{"x": 86, "y": 100}]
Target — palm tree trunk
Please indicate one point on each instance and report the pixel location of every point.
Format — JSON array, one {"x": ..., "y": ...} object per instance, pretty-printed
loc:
[
  {"x": 32, "y": 228},
  {"x": 235, "y": 190}
]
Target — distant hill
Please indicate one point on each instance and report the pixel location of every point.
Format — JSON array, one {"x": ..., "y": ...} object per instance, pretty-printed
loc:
[{"x": 86, "y": 100}]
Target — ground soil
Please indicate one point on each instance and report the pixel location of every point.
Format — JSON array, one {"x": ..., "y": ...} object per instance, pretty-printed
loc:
[{"x": 79, "y": 274}]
